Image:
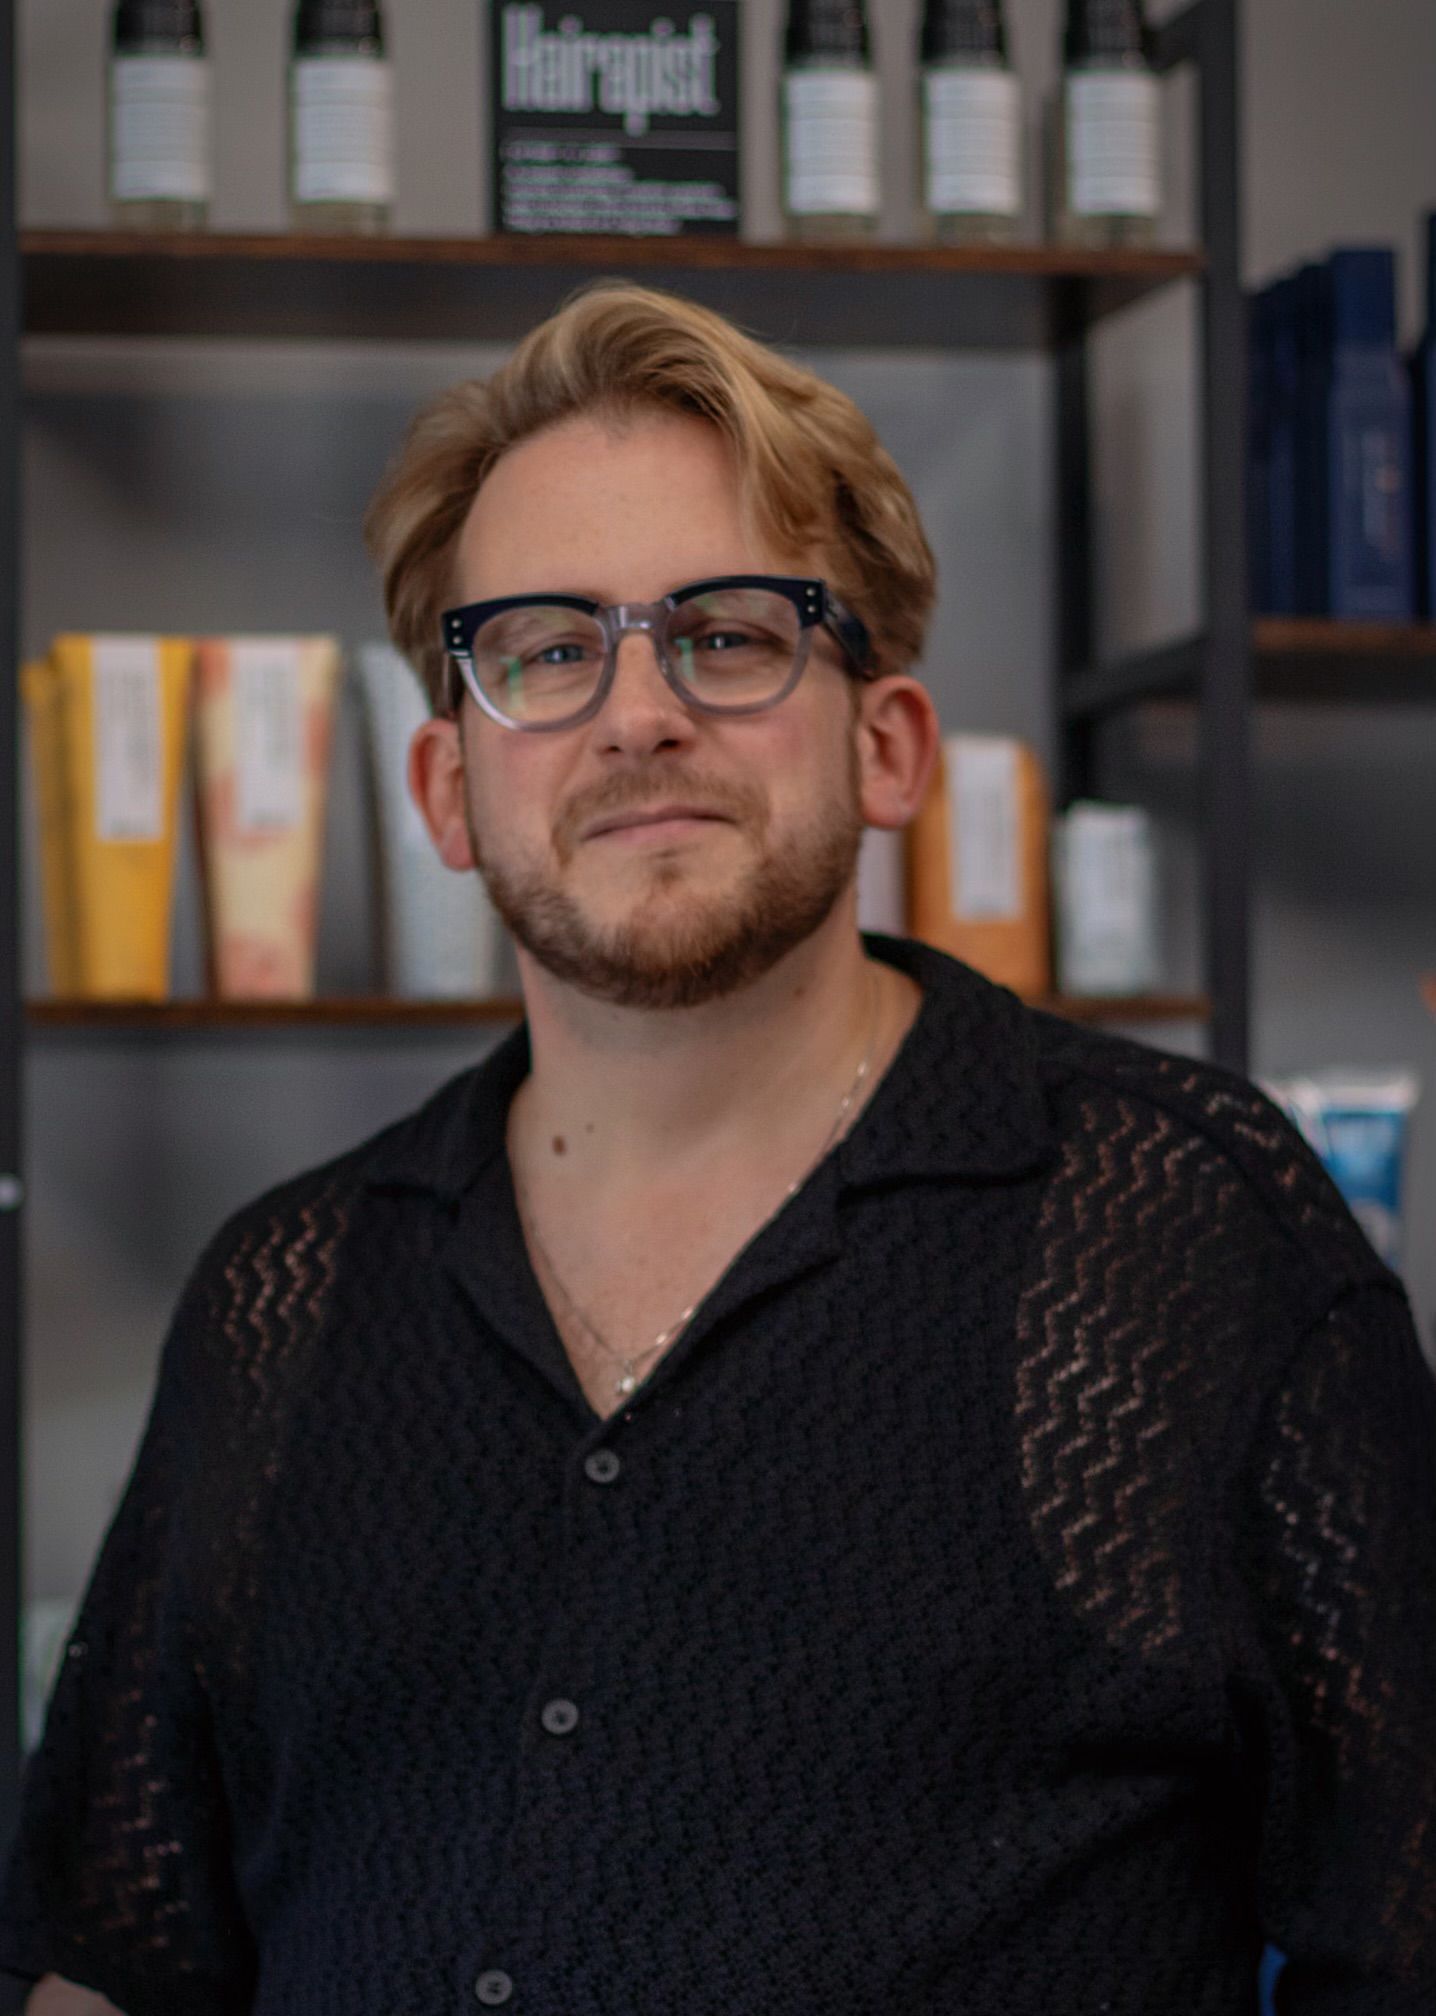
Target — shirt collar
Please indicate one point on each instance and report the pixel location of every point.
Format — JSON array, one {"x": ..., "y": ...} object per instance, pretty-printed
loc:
[{"x": 963, "y": 1097}]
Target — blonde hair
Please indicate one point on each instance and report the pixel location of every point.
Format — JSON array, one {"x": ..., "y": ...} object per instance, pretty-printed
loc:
[{"x": 811, "y": 469}]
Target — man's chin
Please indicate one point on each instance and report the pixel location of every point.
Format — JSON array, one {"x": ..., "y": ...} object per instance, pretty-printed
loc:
[{"x": 677, "y": 935}]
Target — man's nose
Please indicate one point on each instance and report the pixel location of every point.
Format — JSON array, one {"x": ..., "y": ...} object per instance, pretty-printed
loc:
[{"x": 641, "y": 711}]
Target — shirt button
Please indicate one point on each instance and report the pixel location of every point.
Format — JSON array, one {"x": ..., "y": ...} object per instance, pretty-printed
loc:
[
  {"x": 493, "y": 1986},
  {"x": 559, "y": 1717},
  {"x": 602, "y": 1466}
]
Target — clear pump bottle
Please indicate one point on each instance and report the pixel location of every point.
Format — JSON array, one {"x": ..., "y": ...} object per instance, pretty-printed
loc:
[
  {"x": 829, "y": 121},
  {"x": 970, "y": 124},
  {"x": 1106, "y": 129},
  {"x": 341, "y": 119},
  {"x": 159, "y": 117}
]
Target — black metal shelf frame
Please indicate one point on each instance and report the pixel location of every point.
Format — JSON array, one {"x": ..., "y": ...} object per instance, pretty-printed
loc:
[
  {"x": 1216, "y": 667},
  {"x": 11, "y": 1010},
  {"x": 1055, "y": 315}
]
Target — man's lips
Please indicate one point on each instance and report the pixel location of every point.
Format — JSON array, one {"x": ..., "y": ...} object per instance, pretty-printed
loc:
[{"x": 657, "y": 815}]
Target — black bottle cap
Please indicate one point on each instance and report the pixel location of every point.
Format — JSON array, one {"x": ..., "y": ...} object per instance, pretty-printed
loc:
[
  {"x": 317, "y": 22},
  {"x": 826, "y": 28},
  {"x": 1097, "y": 28},
  {"x": 139, "y": 21},
  {"x": 963, "y": 28}
]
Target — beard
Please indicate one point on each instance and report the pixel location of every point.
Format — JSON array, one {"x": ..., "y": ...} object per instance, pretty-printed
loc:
[{"x": 680, "y": 947}]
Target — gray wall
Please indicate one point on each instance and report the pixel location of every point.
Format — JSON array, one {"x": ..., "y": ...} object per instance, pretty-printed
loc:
[{"x": 217, "y": 486}]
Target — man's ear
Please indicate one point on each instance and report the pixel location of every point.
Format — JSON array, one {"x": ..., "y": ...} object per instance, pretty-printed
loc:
[
  {"x": 898, "y": 737},
  {"x": 436, "y": 785}
]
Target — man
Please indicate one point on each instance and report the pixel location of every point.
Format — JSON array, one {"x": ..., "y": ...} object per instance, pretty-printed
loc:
[{"x": 798, "y": 1484}]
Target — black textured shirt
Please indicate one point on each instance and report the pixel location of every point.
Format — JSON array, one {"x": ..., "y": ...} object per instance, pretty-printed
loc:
[{"x": 1014, "y": 1595}]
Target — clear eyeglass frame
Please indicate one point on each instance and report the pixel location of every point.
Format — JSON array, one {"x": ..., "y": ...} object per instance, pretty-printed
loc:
[{"x": 813, "y": 600}]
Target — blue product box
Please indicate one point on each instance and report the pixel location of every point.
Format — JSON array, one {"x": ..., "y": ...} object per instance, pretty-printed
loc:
[
  {"x": 1259, "y": 317},
  {"x": 1423, "y": 403},
  {"x": 1282, "y": 493},
  {"x": 1369, "y": 561},
  {"x": 1311, "y": 344}
]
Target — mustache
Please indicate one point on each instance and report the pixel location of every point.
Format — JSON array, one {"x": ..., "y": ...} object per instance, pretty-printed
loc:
[{"x": 640, "y": 791}]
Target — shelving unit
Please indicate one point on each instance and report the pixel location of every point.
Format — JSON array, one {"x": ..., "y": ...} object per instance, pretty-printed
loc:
[{"x": 1022, "y": 300}]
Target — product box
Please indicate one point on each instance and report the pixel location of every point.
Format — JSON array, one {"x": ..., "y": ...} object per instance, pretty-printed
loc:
[
  {"x": 1423, "y": 401},
  {"x": 107, "y": 718},
  {"x": 264, "y": 715},
  {"x": 1259, "y": 315},
  {"x": 440, "y": 936},
  {"x": 978, "y": 862},
  {"x": 615, "y": 116},
  {"x": 1368, "y": 444},
  {"x": 1274, "y": 419},
  {"x": 1310, "y": 318}
]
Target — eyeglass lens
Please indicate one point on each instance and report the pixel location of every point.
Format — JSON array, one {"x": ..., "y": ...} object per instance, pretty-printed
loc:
[{"x": 731, "y": 647}]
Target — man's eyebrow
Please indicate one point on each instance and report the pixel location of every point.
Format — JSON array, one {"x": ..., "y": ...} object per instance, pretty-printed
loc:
[{"x": 593, "y": 594}]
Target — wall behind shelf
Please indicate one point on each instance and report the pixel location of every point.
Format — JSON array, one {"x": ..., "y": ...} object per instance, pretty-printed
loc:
[{"x": 168, "y": 485}]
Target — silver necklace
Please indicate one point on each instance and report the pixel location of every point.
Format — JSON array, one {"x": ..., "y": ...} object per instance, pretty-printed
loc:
[{"x": 628, "y": 1378}]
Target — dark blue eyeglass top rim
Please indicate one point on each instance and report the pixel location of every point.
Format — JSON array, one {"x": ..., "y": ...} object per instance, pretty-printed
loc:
[{"x": 813, "y": 599}]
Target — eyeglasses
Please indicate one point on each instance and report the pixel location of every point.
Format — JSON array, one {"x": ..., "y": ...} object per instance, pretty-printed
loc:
[{"x": 736, "y": 644}]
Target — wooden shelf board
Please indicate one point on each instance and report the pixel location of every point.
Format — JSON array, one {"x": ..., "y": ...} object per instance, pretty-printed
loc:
[
  {"x": 116, "y": 283},
  {"x": 111, "y": 1018},
  {"x": 331, "y": 1012},
  {"x": 1296, "y": 659},
  {"x": 1318, "y": 659},
  {"x": 1324, "y": 636}
]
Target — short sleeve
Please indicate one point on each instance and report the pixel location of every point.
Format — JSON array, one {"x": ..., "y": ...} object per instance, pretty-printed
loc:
[
  {"x": 1336, "y": 1547},
  {"x": 119, "y": 1877}
]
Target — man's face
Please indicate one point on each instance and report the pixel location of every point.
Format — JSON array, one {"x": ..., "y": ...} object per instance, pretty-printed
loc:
[{"x": 685, "y": 910}]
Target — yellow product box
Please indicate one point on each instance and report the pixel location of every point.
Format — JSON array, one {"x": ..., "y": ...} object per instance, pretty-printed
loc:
[
  {"x": 107, "y": 718},
  {"x": 264, "y": 723},
  {"x": 979, "y": 883}
]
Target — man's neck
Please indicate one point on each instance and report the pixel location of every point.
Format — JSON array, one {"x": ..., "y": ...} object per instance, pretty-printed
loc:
[{"x": 628, "y": 1100}]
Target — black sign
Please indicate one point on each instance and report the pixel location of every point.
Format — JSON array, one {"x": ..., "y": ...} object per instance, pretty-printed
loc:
[{"x": 610, "y": 116}]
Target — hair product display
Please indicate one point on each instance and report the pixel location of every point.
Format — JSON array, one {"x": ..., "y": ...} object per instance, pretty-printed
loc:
[
  {"x": 107, "y": 719},
  {"x": 1332, "y": 444},
  {"x": 1105, "y": 141},
  {"x": 1423, "y": 397},
  {"x": 440, "y": 935},
  {"x": 159, "y": 116},
  {"x": 970, "y": 123},
  {"x": 978, "y": 861},
  {"x": 829, "y": 121},
  {"x": 1358, "y": 1122},
  {"x": 341, "y": 118},
  {"x": 1104, "y": 878},
  {"x": 264, "y": 724},
  {"x": 616, "y": 115}
]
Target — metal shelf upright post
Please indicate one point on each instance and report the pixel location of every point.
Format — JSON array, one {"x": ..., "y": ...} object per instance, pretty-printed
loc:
[
  {"x": 11, "y": 1454},
  {"x": 1205, "y": 35}
]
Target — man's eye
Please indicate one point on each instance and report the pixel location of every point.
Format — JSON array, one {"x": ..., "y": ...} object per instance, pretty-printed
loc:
[{"x": 730, "y": 639}]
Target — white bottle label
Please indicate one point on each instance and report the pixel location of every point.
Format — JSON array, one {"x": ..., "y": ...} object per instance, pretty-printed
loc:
[
  {"x": 159, "y": 129},
  {"x": 1114, "y": 142},
  {"x": 129, "y": 739},
  {"x": 831, "y": 128},
  {"x": 268, "y": 736},
  {"x": 343, "y": 130},
  {"x": 986, "y": 861},
  {"x": 973, "y": 122}
]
